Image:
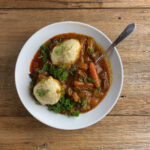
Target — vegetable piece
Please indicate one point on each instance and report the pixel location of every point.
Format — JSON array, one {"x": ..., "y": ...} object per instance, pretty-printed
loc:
[
  {"x": 70, "y": 91},
  {"x": 94, "y": 102},
  {"x": 82, "y": 74},
  {"x": 82, "y": 65},
  {"x": 98, "y": 94},
  {"x": 105, "y": 84},
  {"x": 41, "y": 76},
  {"x": 89, "y": 85},
  {"x": 94, "y": 74},
  {"x": 79, "y": 84},
  {"x": 75, "y": 96},
  {"x": 82, "y": 84}
]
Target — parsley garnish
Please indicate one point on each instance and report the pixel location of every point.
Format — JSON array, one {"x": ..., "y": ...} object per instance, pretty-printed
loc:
[
  {"x": 37, "y": 102},
  {"x": 63, "y": 76},
  {"x": 76, "y": 113},
  {"x": 68, "y": 114},
  {"x": 41, "y": 92},
  {"x": 63, "y": 105},
  {"x": 63, "y": 47},
  {"x": 58, "y": 52},
  {"x": 79, "y": 101},
  {"x": 99, "y": 89},
  {"x": 90, "y": 80},
  {"x": 44, "y": 53},
  {"x": 42, "y": 80},
  {"x": 80, "y": 79},
  {"x": 90, "y": 50},
  {"x": 84, "y": 103},
  {"x": 44, "y": 68},
  {"x": 58, "y": 72},
  {"x": 72, "y": 70},
  {"x": 57, "y": 41}
]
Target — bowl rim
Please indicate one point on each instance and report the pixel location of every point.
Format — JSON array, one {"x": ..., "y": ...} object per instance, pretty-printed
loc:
[{"x": 117, "y": 53}]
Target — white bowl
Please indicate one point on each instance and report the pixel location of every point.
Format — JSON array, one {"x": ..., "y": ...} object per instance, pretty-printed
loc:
[{"x": 41, "y": 113}]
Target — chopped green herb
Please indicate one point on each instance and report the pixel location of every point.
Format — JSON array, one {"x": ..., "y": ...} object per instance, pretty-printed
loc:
[
  {"x": 58, "y": 72},
  {"x": 80, "y": 79},
  {"x": 84, "y": 103},
  {"x": 79, "y": 101},
  {"x": 90, "y": 50},
  {"x": 63, "y": 76},
  {"x": 44, "y": 68},
  {"x": 58, "y": 52},
  {"x": 57, "y": 109},
  {"x": 62, "y": 91},
  {"x": 44, "y": 48},
  {"x": 50, "y": 45},
  {"x": 62, "y": 65},
  {"x": 68, "y": 114},
  {"x": 63, "y": 47},
  {"x": 40, "y": 57},
  {"x": 72, "y": 70},
  {"x": 41, "y": 92},
  {"x": 42, "y": 80},
  {"x": 32, "y": 83},
  {"x": 63, "y": 105},
  {"x": 76, "y": 113},
  {"x": 90, "y": 80},
  {"x": 99, "y": 89},
  {"x": 38, "y": 103},
  {"x": 44, "y": 52},
  {"x": 57, "y": 41},
  {"x": 40, "y": 71},
  {"x": 67, "y": 102}
]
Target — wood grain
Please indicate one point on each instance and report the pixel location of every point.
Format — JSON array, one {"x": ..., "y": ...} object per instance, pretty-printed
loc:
[
  {"x": 128, "y": 124},
  {"x": 74, "y": 4},
  {"x": 124, "y": 132},
  {"x": 16, "y": 26}
]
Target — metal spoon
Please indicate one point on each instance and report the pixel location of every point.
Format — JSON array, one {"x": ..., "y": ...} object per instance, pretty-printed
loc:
[{"x": 129, "y": 29}]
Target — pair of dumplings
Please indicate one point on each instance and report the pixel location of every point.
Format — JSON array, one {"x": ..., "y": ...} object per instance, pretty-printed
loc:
[{"x": 67, "y": 52}]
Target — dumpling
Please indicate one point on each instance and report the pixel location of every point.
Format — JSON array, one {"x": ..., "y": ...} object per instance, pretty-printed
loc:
[
  {"x": 47, "y": 91},
  {"x": 67, "y": 52}
]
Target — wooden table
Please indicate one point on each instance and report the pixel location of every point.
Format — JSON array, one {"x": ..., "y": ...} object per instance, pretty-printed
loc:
[{"x": 127, "y": 126}]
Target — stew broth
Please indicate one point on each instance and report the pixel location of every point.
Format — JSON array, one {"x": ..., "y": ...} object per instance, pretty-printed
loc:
[{"x": 81, "y": 86}]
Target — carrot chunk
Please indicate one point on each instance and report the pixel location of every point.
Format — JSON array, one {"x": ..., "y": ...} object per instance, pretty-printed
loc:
[
  {"x": 94, "y": 74},
  {"x": 75, "y": 96},
  {"x": 41, "y": 76}
]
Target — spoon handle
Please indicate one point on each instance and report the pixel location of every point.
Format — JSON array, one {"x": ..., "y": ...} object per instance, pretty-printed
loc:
[{"x": 129, "y": 29}]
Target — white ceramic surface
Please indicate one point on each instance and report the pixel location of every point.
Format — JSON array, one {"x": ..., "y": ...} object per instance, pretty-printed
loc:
[{"x": 41, "y": 113}]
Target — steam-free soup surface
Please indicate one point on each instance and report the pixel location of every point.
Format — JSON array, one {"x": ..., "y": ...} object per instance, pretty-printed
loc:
[{"x": 83, "y": 82}]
